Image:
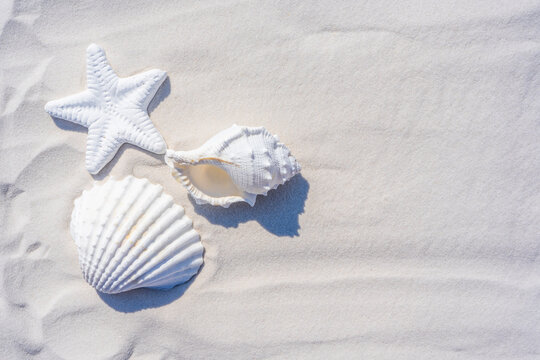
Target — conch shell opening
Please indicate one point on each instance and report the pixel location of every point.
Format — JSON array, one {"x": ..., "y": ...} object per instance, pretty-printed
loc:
[{"x": 210, "y": 184}]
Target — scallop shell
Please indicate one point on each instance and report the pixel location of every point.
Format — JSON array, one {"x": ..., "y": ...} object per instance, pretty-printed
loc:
[
  {"x": 238, "y": 164},
  {"x": 130, "y": 234}
]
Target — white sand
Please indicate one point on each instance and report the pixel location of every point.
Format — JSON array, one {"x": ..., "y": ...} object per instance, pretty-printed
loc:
[{"x": 412, "y": 233}]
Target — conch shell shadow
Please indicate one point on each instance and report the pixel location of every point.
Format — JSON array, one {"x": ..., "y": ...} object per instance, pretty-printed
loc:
[{"x": 278, "y": 212}]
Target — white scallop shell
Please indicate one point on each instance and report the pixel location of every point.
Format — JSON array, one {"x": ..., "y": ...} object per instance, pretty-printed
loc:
[
  {"x": 239, "y": 163},
  {"x": 130, "y": 234}
]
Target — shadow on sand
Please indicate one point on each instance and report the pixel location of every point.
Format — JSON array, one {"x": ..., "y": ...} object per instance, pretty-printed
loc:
[
  {"x": 144, "y": 298},
  {"x": 278, "y": 212}
]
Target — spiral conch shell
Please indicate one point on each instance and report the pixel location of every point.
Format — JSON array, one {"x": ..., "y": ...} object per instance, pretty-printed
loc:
[
  {"x": 130, "y": 234},
  {"x": 235, "y": 165}
]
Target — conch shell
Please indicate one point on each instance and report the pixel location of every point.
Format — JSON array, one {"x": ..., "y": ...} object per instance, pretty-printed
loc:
[{"x": 237, "y": 164}]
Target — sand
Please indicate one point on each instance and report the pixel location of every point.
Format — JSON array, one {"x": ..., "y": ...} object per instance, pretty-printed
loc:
[{"x": 412, "y": 232}]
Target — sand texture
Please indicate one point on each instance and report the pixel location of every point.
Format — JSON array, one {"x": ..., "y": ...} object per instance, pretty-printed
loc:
[{"x": 412, "y": 232}]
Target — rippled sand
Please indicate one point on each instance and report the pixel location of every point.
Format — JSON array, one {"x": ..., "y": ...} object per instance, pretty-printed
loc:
[{"x": 412, "y": 233}]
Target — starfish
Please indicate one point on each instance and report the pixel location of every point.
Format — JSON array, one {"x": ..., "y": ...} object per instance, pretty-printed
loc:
[{"x": 113, "y": 109}]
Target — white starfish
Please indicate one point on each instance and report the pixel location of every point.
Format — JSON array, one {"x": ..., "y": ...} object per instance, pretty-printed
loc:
[{"x": 113, "y": 109}]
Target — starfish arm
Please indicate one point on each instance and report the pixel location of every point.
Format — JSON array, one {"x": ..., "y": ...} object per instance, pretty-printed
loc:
[
  {"x": 141, "y": 88},
  {"x": 79, "y": 108},
  {"x": 141, "y": 132},
  {"x": 100, "y": 77},
  {"x": 101, "y": 146}
]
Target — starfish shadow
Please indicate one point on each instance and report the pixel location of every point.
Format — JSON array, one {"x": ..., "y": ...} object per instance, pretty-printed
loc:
[
  {"x": 68, "y": 125},
  {"x": 162, "y": 93},
  {"x": 103, "y": 173},
  {"x": 278, "y": 212},
  {"x": 145, "y": 298}
]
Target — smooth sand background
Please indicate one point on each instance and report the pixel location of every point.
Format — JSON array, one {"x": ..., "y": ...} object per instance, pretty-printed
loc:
[{"x": 412, "y": 232}]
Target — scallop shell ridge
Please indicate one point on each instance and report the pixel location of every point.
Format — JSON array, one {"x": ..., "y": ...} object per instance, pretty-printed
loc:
[{"x": 129, "y": 234}]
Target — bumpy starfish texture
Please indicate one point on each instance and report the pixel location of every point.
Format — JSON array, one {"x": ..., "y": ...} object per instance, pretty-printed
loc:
[{"x": 113, "y": 109}]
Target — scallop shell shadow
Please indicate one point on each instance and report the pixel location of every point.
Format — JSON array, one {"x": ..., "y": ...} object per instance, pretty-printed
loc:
[{"x": 145, "y": 298}]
